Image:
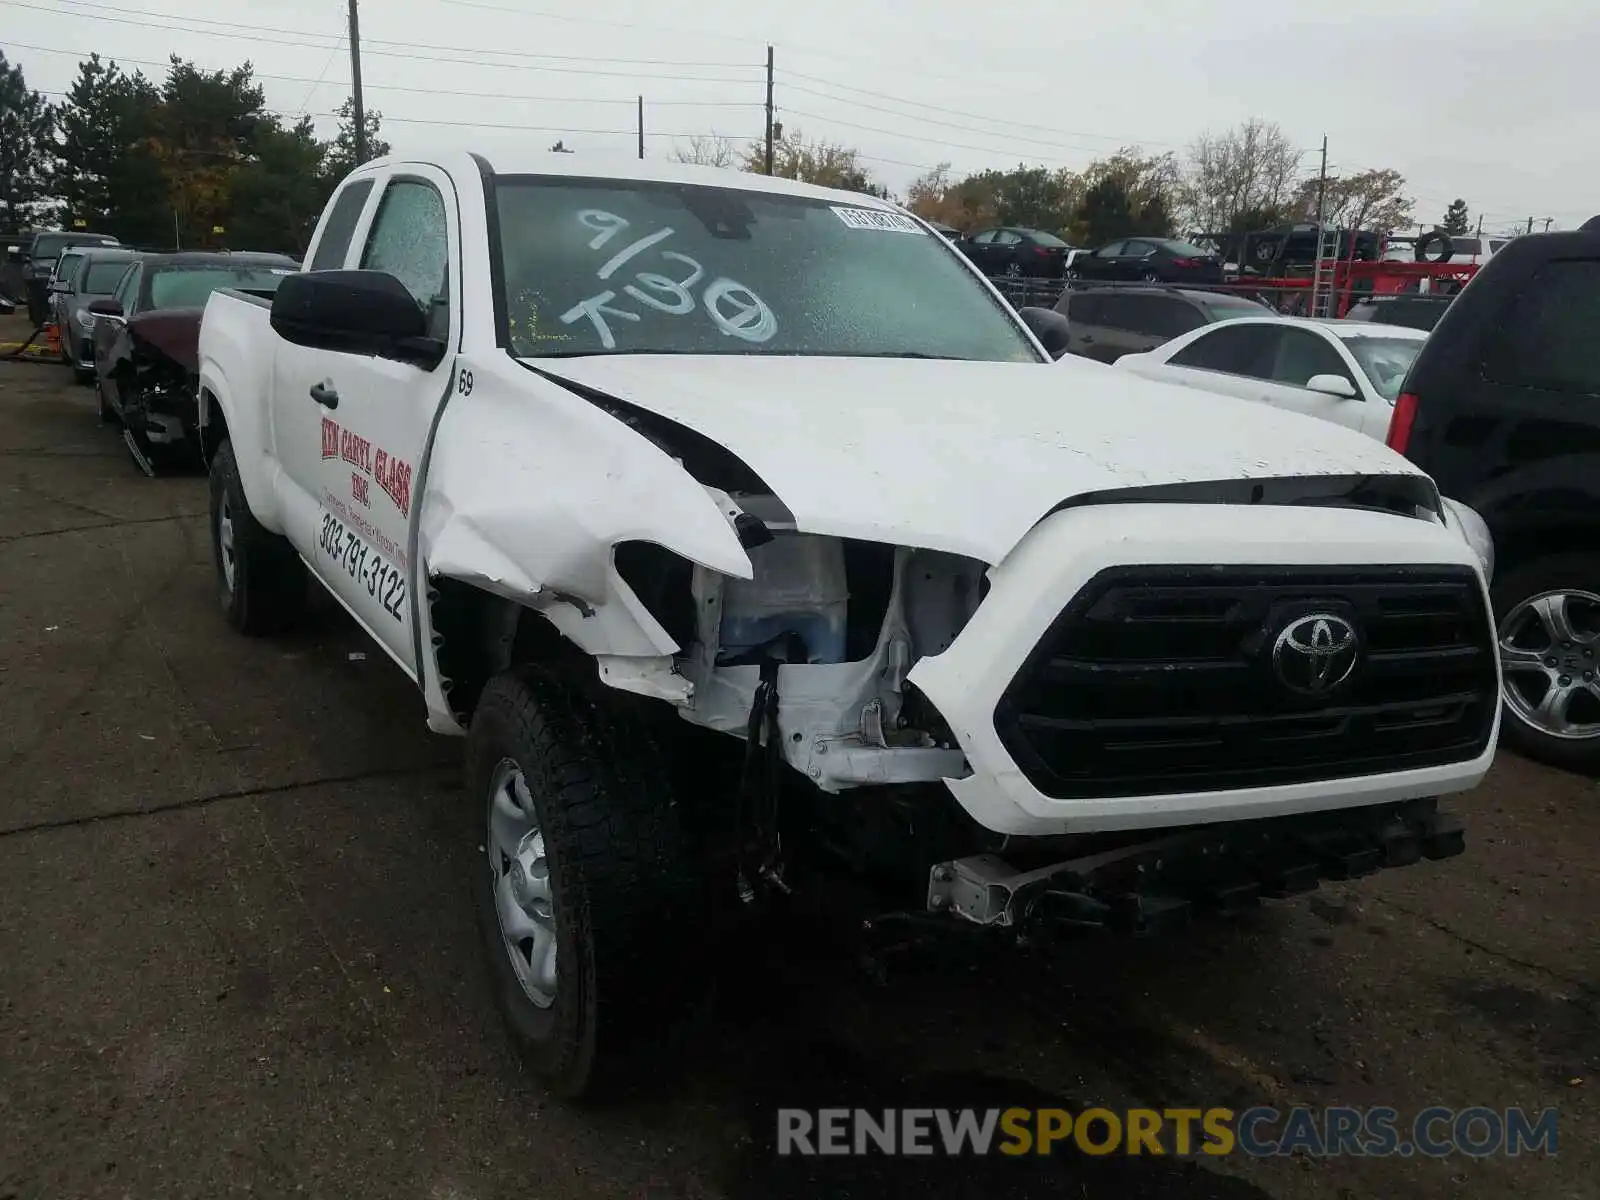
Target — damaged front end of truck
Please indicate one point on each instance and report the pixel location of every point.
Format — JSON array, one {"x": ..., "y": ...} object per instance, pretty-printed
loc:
[{"x": 1082, "y": 724}]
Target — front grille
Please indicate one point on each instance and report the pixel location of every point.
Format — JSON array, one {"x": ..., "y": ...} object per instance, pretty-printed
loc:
[{"x": 1160, "y": 679}]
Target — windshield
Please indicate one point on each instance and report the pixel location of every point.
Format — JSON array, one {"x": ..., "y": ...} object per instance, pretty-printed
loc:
[
  {"x": 102, "y": 277},
  {"x": 613, "y": 267},
  {"x": 1187, "y": 250},
  {"x": 1385, "y": 361},
  {"x": 1225, "y": 308},
  {"x": 189, "y": 287},
  {"x": 47, "y": 246},
  {"x": 1047, "y": 239}
]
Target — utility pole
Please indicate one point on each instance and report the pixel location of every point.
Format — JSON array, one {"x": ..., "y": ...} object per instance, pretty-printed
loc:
[
  {"x": 1322, "y": 196},
  {"x": 1530, "y": 224},
  {"x": 641, "y": 126},
  {"x": 1547, "y": 223},
  {"x": 355, "y": 84},
  {"x": 768, "y": 109}
]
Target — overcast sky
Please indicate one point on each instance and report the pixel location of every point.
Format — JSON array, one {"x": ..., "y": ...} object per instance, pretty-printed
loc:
[{"x": 1494, "y": 102}]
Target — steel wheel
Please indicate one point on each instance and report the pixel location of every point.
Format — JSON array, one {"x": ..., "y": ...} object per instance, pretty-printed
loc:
[
  {"x": 225, "y": 543},
  {"x": 1550, "y": 656},
  {"x": 519, "y": 874}
]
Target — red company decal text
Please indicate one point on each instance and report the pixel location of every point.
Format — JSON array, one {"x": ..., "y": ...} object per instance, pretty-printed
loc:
[{"x": 393, "y": 474}]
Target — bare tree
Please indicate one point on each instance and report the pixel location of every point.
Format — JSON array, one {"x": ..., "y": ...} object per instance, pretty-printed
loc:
[
  {"x": 821, "y": 162},
  {"x": 1240, "y": 173},
  {"x": 1373, "y": 200},
  {"x": 706, "y": 150}
]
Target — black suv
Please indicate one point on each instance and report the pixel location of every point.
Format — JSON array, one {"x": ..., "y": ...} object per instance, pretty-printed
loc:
[
  {"x": 1502, "y": 408},
  {"x": 1109, "y": 321}
]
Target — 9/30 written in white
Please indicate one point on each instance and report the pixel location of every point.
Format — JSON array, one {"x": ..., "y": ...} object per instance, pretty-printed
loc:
[{"x": 733, "y": 308}]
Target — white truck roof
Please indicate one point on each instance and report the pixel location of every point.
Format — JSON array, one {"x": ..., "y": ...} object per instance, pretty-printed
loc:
[{"x": 622, "y": 167}]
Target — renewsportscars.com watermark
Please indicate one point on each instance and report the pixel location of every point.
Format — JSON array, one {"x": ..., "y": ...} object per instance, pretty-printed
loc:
[{"x": 1436, "y": 1132}]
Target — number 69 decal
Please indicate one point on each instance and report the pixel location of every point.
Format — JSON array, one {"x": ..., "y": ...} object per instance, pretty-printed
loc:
[{"x": 464, "y": 382}]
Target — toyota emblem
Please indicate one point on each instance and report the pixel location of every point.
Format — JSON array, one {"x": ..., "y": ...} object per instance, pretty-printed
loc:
[{"x": 1315, "y": 653}]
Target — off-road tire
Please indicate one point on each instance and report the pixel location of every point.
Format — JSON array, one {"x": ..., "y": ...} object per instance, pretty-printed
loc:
[
  {"x": 627, "y": 893},
  {"x": 268, "y": 594},
  {"x": 1559, "y": 572}
]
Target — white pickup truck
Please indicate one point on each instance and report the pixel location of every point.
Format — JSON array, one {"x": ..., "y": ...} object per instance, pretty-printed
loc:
[{"x": 587, "y": 451}]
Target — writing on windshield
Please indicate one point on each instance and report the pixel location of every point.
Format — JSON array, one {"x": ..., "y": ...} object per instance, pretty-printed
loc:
[
  {"x": 619, "y": 266},
  {"x": 733, "y": 308}
]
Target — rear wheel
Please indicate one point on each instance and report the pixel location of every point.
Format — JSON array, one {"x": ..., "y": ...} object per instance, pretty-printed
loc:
[
  {"x": 260, "y": 579},
  {"x": 587, "y": 897},
  {"x": 1548, "y": 618}
]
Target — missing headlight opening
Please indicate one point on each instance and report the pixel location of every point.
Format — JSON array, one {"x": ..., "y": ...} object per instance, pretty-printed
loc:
[{"x": 847, "y": 620}]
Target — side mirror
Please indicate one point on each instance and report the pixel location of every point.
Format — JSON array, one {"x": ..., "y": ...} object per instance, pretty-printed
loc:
[
  {"x": 355, "y": 312},
  {"x": 1049, "y": 326},
  {"x": 105, "y": 308},
  {"x": 1332, "y": 385}
]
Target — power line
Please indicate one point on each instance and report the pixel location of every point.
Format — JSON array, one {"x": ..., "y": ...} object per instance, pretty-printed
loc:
[
  {"x": 332, "y": 54},
  {"x": 83, "y": 55},
  {"x": 254, "y": 34},
  {"x": 956, "y": 112},
  {"x": 797, "y": 87},
  {"x": 906, "y": 136},
  {"x": 959, "y": 74},
  {"x": 566, "y": 129}
]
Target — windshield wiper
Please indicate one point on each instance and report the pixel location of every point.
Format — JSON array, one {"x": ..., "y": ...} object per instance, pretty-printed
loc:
[
  {"x": 909, "y": 354},
  {"x": 607, "y": 353}
]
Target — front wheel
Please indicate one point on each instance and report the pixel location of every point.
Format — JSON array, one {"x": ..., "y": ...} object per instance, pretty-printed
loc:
[
  {"x": 260, "y": 579},
  {"x": 586, "y": 895},
  {"x": 1548, "y": 621}
]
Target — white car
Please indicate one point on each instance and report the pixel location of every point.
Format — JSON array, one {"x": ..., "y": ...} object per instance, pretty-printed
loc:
[
  {"x": 597, "y": 451},
  {"x": 1347, "y": 372}
]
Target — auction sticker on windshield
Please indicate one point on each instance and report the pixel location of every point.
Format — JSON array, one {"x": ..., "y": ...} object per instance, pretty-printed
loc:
[{"x": 871, "y": 218}]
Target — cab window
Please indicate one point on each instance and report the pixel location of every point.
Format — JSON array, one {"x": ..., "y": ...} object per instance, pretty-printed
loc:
[{"x": 410, "y": 240}]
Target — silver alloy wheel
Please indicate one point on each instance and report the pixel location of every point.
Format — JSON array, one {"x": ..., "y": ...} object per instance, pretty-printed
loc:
[
  {"x": 1551, "y": 659},
  {"x": 519, "y": 875},
  {"x": 225, "y": 540}
]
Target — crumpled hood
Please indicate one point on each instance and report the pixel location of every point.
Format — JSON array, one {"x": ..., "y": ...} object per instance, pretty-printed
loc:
[
  {"x": 174, "y": 332},
  {"x": 965, "y": 456}
]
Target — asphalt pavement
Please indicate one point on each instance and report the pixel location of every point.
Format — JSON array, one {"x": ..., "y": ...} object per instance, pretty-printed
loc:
[{"x": 237, "y": 954}]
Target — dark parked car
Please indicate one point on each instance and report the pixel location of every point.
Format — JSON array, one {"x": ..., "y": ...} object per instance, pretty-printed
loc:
[
  {"x": 95, "y": 276},
  {"x": 949, "y": 232},
  {"x": 1011, "y": 250},
  {"x": 1414, "y": 311},
  {"x": 146, "y": 340},
  {"x": 1107, "y": 322},
  {"x": 39, "y": 255},
  {"x": 1153, "y": 260},
  {"x": 1502, "y": 408}
]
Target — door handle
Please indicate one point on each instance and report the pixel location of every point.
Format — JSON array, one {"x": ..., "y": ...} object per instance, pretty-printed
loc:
[{"x": 325, "y": 394}]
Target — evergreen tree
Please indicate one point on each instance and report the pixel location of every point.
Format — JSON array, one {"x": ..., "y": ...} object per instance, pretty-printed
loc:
[
  {"x": 1456, "y": 221},
  {"x": 27, "y": 127}
]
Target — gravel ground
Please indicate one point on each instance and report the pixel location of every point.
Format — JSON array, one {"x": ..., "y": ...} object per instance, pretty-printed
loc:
[{"x": 237, "y": 955}]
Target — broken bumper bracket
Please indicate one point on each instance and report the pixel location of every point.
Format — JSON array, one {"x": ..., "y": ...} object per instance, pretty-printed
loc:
[{"x": 1143, "y": 886}]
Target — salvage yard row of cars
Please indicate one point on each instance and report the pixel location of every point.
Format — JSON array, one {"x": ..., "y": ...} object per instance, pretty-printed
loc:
[
  {"x": 741, "y": 577},
  {"x": 129, "y": 323}
]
